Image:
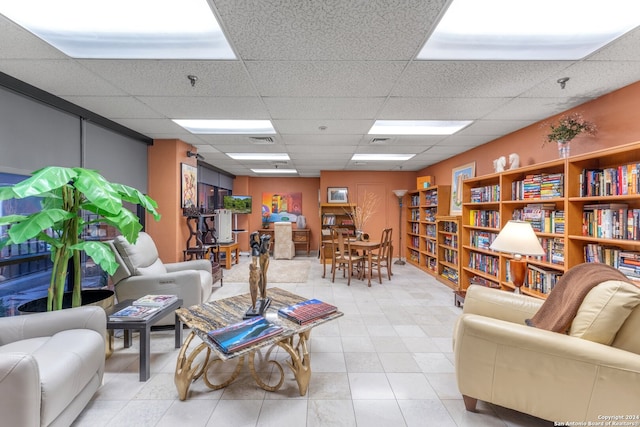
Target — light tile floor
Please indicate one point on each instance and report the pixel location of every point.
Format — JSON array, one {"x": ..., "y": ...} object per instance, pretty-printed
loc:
[{"x": 386, "y": 362}]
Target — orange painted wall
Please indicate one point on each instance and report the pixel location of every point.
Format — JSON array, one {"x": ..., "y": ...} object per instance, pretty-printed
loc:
[
  {"x": 170, "y": 233},
  {"x": 615, "y": 115},
  {"x": 380, "y": 183}
]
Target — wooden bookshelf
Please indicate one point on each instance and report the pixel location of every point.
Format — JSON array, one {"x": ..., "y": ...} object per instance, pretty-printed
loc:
[
  {"x": 448, "y": 228},
  {"x": 424, "y": 207},
  {"x": 491, "y": 200}
]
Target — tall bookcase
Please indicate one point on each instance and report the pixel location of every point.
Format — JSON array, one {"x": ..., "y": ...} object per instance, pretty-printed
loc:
[
  {"x": 334, "y": 215},
  {"x": 448, "y": 228},
  {"x": 423, "y": 209},
  {"x": 584, "y": 208}
]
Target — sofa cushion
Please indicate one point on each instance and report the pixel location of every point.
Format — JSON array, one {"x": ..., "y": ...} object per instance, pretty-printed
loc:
[
  {"x": 603, "y": 310},
  {"x": 142, "y": 254},
  {"x": 67, "y": 362}
]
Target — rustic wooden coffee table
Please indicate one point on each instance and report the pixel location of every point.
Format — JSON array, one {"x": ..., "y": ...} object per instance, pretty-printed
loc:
[{"x": 217, "y": 314}]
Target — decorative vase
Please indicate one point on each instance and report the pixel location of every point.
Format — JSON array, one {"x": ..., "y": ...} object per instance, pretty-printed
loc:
[
  {"x": 359, "y": 234},
  {"x": 564, "y": 148}
]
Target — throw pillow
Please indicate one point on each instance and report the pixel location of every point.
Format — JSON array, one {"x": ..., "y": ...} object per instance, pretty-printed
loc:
[{"x": 603, "y": 310}]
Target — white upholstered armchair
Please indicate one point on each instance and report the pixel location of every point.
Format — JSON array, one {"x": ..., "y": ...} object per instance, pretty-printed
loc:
[
  {"x": 141, "y": 272},
  {"x": 283, "y": 248}
]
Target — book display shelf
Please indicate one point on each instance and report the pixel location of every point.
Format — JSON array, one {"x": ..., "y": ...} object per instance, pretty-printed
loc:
[
  {"x": 584, "y": 208},
  {"x": 334, "y": 215},
  {"x": 424, "y": 208}
]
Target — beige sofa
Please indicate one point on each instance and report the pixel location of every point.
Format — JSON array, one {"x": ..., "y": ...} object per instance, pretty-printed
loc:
[
  {"x": 590, "y": 372},
  {"x": 141, "y": 272},
  {"x": 51, "y": 364}
]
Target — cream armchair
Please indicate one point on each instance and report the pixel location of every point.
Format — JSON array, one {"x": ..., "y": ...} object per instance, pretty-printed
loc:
[
  {"x": 283, "y": 248},
  {"x": 558, "y": 377},
  {"x": 141, "y": 272},
  {"x": 51, "y": 364}
]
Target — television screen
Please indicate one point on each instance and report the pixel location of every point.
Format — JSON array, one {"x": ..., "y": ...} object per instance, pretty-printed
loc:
[{"x": 237, "y": 204}]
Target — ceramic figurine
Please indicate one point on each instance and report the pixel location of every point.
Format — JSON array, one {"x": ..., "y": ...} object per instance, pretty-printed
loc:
[{"x": 514, "y": 161}]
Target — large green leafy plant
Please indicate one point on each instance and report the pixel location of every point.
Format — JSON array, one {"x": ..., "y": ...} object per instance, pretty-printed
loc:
[{"x": 65, "y": 193}]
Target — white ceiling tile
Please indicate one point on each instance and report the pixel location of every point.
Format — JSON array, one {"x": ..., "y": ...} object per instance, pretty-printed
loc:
[
  {"x": 439, "y": 108},
  {"x": 312, "y": 126},
  {"x": 115, "y": 107},
  {"x": 18, "y": 43},
  {"x": 201, "y": 107},
  {"x": 323, "y": 107}
]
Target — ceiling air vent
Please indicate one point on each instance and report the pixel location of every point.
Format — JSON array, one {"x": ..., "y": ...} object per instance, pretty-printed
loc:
[
  {"x": 379, "y": 141},
  {"x": 261, "y": 140}
]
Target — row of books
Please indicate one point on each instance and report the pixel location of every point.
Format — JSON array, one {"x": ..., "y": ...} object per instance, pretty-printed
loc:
[
  {"x": 450, "y": 274},
  {"x": 414, "y": 215},
  {"x": 482, "y": 239},
  {"x": 541, "y": 279},
  {"x": 489, "y": 193},
  {"x": 450, "y": 256},
  {"x": 486, "y": 263},
  {"x": 611, "y": 221},
  {"x": 430, "y": 214},
  {"x": 538, "y": 186},
  {"x": 249, "y": 332},
  {"x": 484, "y": 218},
  {"x": 628, "y": 262},
  {"x": 543, "y": 217},
  {"x": 143, "y": 307},
  {"x": 328, "y": 219},
  {"x": 450, "y": 240},
  {"x": 431, "y": 198},
  {"x": 615, "y": 181}
]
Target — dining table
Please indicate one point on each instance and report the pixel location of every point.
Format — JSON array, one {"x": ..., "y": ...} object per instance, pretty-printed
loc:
[{"x": 366, "y": 246}]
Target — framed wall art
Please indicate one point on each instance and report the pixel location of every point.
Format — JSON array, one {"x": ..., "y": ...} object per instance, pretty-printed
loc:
[
  {"x": 337, "y": 195},
  {"x": 189, "y": 186},
  {"x": 458, "y": 175}
]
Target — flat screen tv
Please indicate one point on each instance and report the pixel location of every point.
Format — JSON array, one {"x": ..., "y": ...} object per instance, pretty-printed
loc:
[{"x": 237, "y": 204}]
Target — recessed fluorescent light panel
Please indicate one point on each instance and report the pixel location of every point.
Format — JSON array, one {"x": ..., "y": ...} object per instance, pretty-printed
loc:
[
  {"x": 528, "y": 30},
  {"x": 259, "y": 156},
  {"x": 274, "y": 171},
  {"x": 417, "y": 127},
  {"x": 126, "y": 29},
  {"x": 380, "y": 157},
  {"x": 228, "y": 127}
]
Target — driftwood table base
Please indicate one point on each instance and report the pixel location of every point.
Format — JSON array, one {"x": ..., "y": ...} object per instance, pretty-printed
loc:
[{"x": 197, "y": 361}]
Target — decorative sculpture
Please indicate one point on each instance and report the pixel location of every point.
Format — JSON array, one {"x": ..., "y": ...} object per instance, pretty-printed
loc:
[
  {"x": 514, "y": 161},
  {"x": 499, "y": 164},
  {"x": 258, "y": 274}
]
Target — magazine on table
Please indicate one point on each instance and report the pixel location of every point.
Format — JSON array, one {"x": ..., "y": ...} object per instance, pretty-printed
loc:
[
  {"x": 155, "y": 300},
  {"x": 134, "y": 312},
  {"x": 240, "y": 335},
  {"x": 307, "y": 311}
]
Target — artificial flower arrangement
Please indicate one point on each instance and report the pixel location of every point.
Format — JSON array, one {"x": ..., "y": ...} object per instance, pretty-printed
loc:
[
  {"x": 568, "y": 127},
  {"x": 360, "y": 214}
]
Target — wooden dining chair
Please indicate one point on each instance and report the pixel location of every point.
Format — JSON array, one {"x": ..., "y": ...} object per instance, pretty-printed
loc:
[
  {"x": 343, "y": 258},
  {"x": 382, "y": 257}
]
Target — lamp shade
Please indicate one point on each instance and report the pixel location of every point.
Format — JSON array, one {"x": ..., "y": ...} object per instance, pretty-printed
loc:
[
  {"x": 400, "y": 193},
  {"x": 518, "y": 238}
]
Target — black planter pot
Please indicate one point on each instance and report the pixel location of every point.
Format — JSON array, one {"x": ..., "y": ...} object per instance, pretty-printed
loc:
[{"x": 100, "y": 297}]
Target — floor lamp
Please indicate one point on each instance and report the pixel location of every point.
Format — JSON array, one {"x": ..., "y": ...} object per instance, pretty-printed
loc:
[{"x": 400, "y": 194}]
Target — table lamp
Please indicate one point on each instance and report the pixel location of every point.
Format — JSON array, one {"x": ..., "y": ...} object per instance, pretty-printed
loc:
[
  {"x": 517, "y": 238},
  {"x": 400, "y": 194}
]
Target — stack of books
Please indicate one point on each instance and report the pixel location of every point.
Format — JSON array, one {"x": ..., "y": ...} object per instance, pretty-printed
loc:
[
  {"x": 143, "y": 307},
  {"x": 243, "y": 334},
  {"x": 306, "y": 312}
]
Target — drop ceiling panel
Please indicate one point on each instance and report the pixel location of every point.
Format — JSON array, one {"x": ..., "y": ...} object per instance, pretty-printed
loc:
[
  {"x": 439, "y": 108},
  {"x": 342, "y": 30},
  {"x": 61, "y": 77},
  {"x": 472, "y": 79},
  {"x": 323, "y": 107},
  {"x": 18, "y": 43},
  {"x": 169, "y": 78},
  {"x": 325, "y": 78},
  {"x": 115, "y": 107},
  {"x": 312, "y": 126},
  {"x": 306, "y": 140},
  {"x": 201, "y": 107}
]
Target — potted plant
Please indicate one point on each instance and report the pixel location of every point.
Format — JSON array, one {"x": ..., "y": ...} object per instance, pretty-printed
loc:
[
  {"x": 65, "y": 193},
  {"x": 568, "y": 127}
]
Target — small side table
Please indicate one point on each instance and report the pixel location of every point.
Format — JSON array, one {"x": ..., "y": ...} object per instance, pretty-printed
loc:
[
  {"x": 230, "y": 250},
  {"x": 144, "y": 327}
]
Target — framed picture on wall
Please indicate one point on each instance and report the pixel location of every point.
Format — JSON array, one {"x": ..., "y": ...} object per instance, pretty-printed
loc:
[
  {"x": 337, "y": 195},
  {"x": 458, "y": 175},
  {"x": 189, "y": 186}
]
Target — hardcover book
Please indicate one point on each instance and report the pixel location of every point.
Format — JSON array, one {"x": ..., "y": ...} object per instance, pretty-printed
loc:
[
  {"x": 133, "y": 312},
  {"x": 155, "y": 300},
  {"x": 243, "y": 334},
  {"x": 307, "y": 311}
]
